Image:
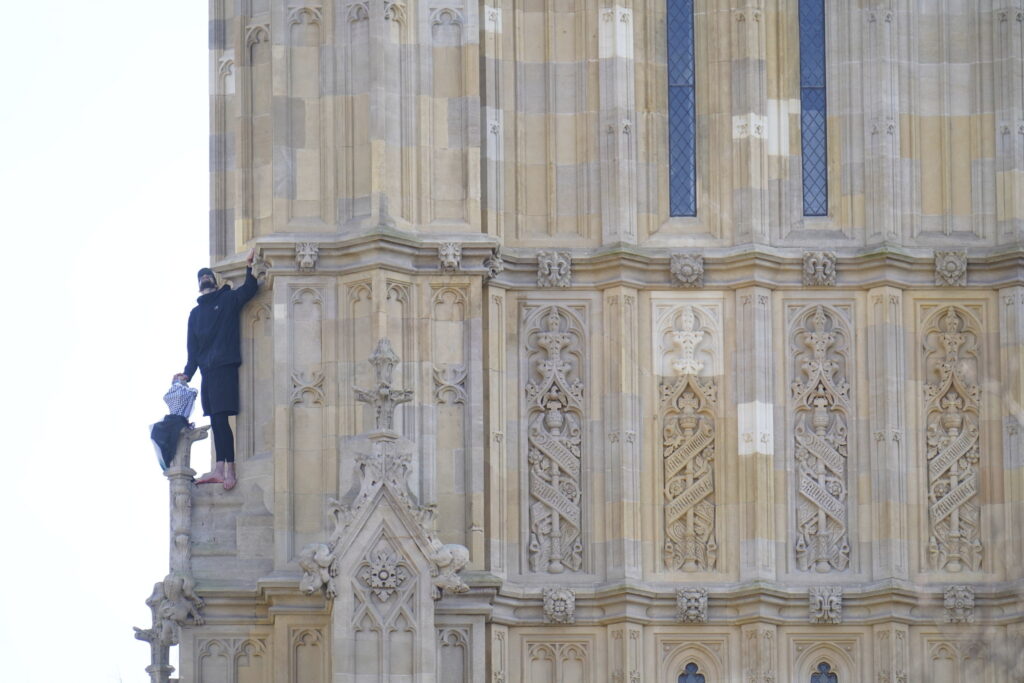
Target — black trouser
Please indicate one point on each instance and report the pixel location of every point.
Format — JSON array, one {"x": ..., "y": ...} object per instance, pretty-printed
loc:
[{"x": 223, "y": 439}]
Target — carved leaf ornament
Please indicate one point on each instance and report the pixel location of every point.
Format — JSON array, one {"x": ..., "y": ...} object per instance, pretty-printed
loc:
[
  {"x": 821, "y": 398},
  {"x": 554, "y": 399},
  {"x": 952, "y": 407},
  {"x": 688, "y": 452}
]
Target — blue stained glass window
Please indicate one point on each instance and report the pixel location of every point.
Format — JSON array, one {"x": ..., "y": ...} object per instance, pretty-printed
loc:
[
  {"x": 690, "y": 674},
  {"x": 824, "y": 674},
  {"x": 813, "y": 140},
  {"x": 682, "y": 110}
]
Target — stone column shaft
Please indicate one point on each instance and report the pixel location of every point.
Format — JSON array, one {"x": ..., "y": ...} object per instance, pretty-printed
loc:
[
  {"x": 755, "y": 364},
  {"x": 618, "y": 125},
  {"x": 749, "y": 122},
  {"x": 886, "y": 371},
  {"x": 1011, "y": 339},
  {"x": 882, "y": 143},
  {"x": 1008, "y": 91},
  {"x": 621, "y": 420}
]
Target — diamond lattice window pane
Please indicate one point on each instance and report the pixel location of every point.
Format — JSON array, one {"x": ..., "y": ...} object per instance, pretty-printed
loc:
[
  {"x": 813, "y": 115},
  {"x": 682, "y": 113}
]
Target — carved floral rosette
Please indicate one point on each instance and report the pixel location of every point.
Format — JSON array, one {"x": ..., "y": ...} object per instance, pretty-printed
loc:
[
  {"x": 688, "y": 429},
  {"x": 821, "y": 412},
  {"x": 554, "y": 339},
  {"x": 952, "y": 417}
]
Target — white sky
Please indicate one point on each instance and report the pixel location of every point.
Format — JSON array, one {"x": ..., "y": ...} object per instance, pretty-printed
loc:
[{"x": 103, "y": 217}]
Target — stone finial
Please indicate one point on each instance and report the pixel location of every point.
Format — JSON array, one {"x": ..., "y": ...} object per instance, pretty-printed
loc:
[
  {"x": 951, "y": 268},
  {"x": 687, "y": 270},
  {"x": 959, "y": 604},
  {"x": 692, "y": 605},
  {"x": 554, "y": 268},
  {"x": 825, "y": 605},
  {"x": 450, "y": 255},
  {"x": 819, "y": 269},
  {"x": 494, "y": 264},
  {"x": 306, "y": 255},
  {"x": 383, "y": 398},
  {"x": 559, "y": 605}
]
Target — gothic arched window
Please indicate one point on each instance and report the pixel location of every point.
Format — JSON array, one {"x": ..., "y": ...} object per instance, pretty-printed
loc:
[
  {"x": 824, "y": 674},
  {"x": 813, "y": 114},
  {"x": 682, "y": 110},
  {"x": 690, "y": 674}
]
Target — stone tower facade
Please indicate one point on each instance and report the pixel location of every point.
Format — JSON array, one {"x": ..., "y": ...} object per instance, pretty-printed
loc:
[{"x": 592, "y": 347}]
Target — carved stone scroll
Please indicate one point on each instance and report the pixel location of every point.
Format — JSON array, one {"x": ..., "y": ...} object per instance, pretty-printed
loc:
[
  {"x": 821, "y": 399},
  {"x": 554, "y": 416},
  {"x": 952, "y": 416},
  {"x": 688, "y": 447}
]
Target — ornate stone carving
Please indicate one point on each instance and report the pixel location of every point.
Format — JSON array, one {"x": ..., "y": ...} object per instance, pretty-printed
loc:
[
  {"x": 315, "y": 561},
  {"x": 554, "y": 268},
  {"x": 821, "y": 399},
  {"x": 687, "y": 270},
  {"x": 951, "y": 268},
  {"x": 819, "y": 269},
  {"x": 384, "y": 399},
  {"x": 952, "y": 416},
  {"x": 307, "y": 386},
  {"x": 958, "y": 602},
  {"x": 688, "y": 448},
  {"x": 450, "y": 255},
  {"x": 494, "y": 264},
  {"x": 825, "y": 605},
  {"x": 554, "y": 419},
  {"x": 383, "y": 575},
  {"x": 173, "y": 603},
  {"x": 306, "y": 255},
  {"x": 559, "y": 605},
  {"x": 448, "y": 559},
  {"x": 692, "y": 605},
  {"x": 450, "y": 383}
]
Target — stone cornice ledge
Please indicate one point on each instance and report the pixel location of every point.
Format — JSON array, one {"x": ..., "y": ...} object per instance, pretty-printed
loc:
[
  {"x": 641, "y": 267},
  {"x": 866, "y": 604}
]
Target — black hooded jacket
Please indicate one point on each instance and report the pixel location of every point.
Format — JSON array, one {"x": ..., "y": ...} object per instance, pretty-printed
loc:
[{"x": 213, "y": 327}]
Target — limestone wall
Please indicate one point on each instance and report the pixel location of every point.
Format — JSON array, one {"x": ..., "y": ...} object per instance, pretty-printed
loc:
[{"x": 749, "y": 440}]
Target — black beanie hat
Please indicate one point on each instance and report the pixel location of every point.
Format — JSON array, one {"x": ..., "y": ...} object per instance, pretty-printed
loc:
[{"x": 206, "y": 271}]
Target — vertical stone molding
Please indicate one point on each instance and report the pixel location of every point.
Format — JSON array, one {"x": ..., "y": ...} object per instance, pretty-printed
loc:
[
  {"x": 688, "y": 428},
  {"x": 892, "y": 653},
  {"x": 952, "y": 419},
  {"x": 1011, "y": 339},
  {"x": 759, "y": 653},
  {"x": 819, "y": 343},
  {"x": 755, "y": 364},
  {"x": 887, "y": 377},
  {"x": 616, "y": 70},
  {"x": 554, "y": 413},
  {"x": 825, "y": 605}
]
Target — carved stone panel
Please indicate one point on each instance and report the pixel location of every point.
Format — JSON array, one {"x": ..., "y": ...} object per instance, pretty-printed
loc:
[
  {"x": 952, "y": 418},
  {"x": 819, "y": 344},
  {"x": 688, "y": 427},
  {"x": 450, "y": 256},
  {"x": 554, "y": 268},
  {"x": 825, "y": 605},
  {"x": 819, "y": 269},
  {"x": 554, "y": 411},
  {"x": 692, "y": 605},
  {"x": 306, "y": 255},
  {"x": 951, "y": 268},
  {"x": 559, "y": 605},
  {"x": 958, "y": 602},
  {"x": 687, "y": 270}
]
